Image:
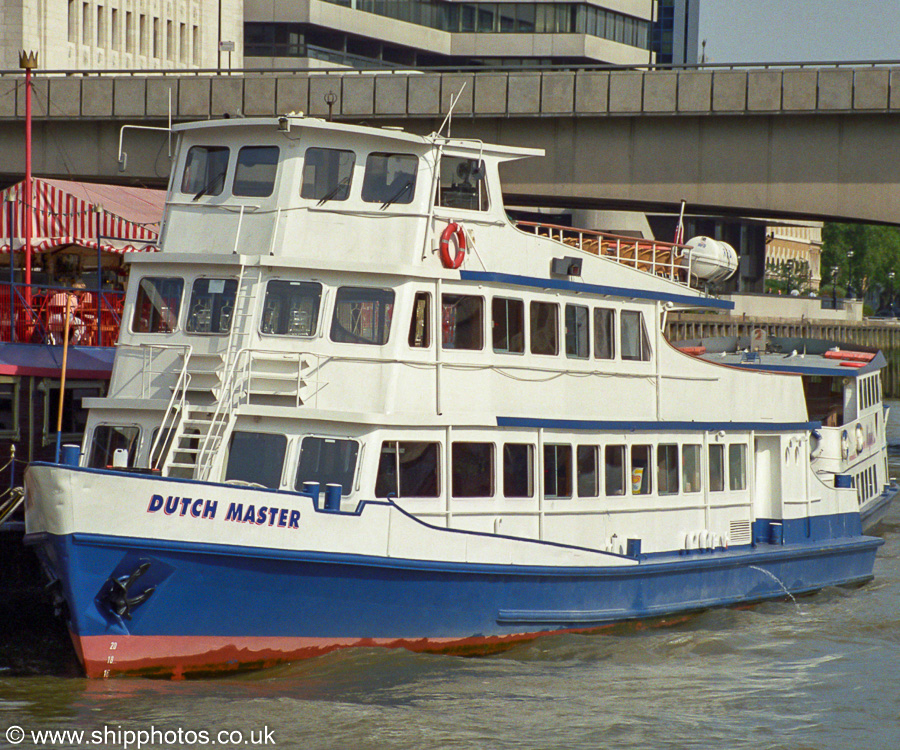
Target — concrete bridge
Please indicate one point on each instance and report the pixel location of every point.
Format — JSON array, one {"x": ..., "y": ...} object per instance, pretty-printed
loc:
[{"x": 804, "y": 141}]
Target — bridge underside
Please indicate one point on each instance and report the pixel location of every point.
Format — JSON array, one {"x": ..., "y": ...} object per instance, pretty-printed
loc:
[{"x": 838, "y": 166}]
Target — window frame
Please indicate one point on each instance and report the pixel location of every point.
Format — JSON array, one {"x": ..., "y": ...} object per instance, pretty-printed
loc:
[
  {"x": 403, "y": 197},
  {"x": 491, "y": 474},
  {"x": 317, "y": 320},
  {"x": 324, "y": 196},
  {"x": 190, "y": 305},
  {"x": 507, "y": 303},
  {"x": 533, "y": 306},
  {"x": 297, "y": 484},
  {"x": 387, "y": 315},
  {"x": 237, "y": 172}
]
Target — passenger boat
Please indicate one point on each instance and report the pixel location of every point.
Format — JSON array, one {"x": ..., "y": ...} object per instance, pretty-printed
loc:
[{"x": 354, "y": 404}]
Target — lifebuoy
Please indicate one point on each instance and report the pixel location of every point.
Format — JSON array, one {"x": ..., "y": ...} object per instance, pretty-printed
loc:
[{"x": 453, "y": 230}]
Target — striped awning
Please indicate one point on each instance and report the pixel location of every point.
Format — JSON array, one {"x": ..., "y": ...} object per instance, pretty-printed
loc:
[{"x": 117, "y": 219}]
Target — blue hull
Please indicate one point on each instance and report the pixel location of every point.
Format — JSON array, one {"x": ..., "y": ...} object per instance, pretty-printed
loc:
[{"x": 215, "y": 607}]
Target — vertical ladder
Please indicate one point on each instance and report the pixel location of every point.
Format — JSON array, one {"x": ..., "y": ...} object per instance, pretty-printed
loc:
[{"x": 201, "y": 429}]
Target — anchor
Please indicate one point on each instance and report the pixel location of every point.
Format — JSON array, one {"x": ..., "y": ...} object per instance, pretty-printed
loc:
[{"x": 117, "y": 598}]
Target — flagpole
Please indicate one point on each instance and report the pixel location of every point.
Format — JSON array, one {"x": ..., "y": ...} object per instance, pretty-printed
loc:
[{"x": 28, "y": 61}]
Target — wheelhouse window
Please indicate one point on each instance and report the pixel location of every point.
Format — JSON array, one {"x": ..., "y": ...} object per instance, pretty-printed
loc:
[
  {"x": 212, "y": 306},
  {"x": 635, "y": 343},
  {"x": 577, "y": 332},
  {"x": 256, "y": 458},
  {"x": 558, "y": 471},
  {"x": 255, "y": 173},
  {"x": 204, "y": 171},
  {"x": 408, "y": 469},
  {"x": 462, "y": 184},
  {"x": 327, "y": 174},
  {"x": 508, "y": 325},
  {"x": 473, "y": 470},
  {"x": 690, "y": 468},
  {"x": 327, "y": 461},
  {"x": 604, "y": 333},
  {"x": 544, "y": 328},
  {"x": 614, "y": 460},
  {"x": 157, "y": 306},
  {"x": 716, "y": 468},
  {"x": 518, "y": 470},
  {"x": 107, "y": 439},
  {"x": 737, "y": 466},
  {"x": 291, "y": 308},
  {"x": 390, "y": 179},
  {"x": 362, "y": 315},
  {"x": 462, "y": 321},
  {"x": 640, "y": 470},
  {"x": 667, "y": 469},
  {"x": 587, "y": 470},
  {"x": 420, "y": 325}
]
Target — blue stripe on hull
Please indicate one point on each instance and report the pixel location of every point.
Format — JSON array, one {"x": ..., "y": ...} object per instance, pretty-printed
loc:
[{"x": 202, "y": 590}]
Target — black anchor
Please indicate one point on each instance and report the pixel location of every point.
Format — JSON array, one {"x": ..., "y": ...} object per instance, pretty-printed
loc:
[{"x": 117, "y": 594}]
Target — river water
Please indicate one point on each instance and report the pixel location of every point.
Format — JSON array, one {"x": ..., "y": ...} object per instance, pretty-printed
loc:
[{"x": 821, "y": 673}]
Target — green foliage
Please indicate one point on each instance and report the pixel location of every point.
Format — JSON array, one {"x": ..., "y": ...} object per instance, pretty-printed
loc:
[{"x": 876, "y": 252}]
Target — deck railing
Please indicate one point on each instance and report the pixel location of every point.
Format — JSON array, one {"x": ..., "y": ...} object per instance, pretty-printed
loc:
[
  {"x": 40, "y": 317},
  {"x": 665, "y": 259}
]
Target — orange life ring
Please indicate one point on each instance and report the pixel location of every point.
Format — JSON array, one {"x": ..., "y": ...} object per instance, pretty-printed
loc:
[{"x": 453, "y": 230}]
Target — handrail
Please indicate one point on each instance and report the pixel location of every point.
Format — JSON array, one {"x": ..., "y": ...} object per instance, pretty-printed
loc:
[{"x": 179, "y": 392}]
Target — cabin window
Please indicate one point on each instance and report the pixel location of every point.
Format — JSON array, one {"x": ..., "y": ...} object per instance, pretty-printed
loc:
[
  {"x": 362, "y": 315},
  {"x": 463, "y": 184},
  {"x": 577, "y": 332},
  {"x": 420, "y": 325},
  {"x": 212, "y": 306},
  {"x": 635, "y": 343},
  {"x": 74, "y": 414},
  {"x": 107, "y": 439},
  {"x": 558, "y": 471},
  {"x": 204, "y": 171},
  {"x": 518, "y": 470},
  {"x": 254, "y": 175},
  {"x": 157, "y": 305},
  {"x": 508, "y": 325},
  {"x": 291, "y": 308},
  {"x": 716, "y": 468},
  {"x": 462, "y": 321},
  {"x": 327, "y": 461},
  {"x": 256, "y": 458},
  {"x": 615, "y": 469},
  {"x": 327, "y": 173},
  {"x": 737, "y": 467},
  {"x": 390, "y": 178},
  {"x": 667, "y": 469},
  {"x": 9, "y": 410},
  {"x": 473, "y": 469},
  {"x": 690, "y": 463},
  {"x": 544, "y": 328},
  {"x": 640, "y": 470},
  {"x": 587, "y": 469},
  {"x": 408, "y": 469},
  {"x": 604, "y": 333}
]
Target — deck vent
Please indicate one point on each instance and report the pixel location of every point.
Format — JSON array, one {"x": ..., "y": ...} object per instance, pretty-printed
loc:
[{"x": 739, "y": 532}]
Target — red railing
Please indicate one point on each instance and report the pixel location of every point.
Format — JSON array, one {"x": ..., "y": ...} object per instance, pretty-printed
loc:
[{"x": 94, "y": 317}]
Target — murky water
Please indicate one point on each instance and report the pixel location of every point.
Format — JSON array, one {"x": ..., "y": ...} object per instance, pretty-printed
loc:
[{"x": 820, "y": 673}]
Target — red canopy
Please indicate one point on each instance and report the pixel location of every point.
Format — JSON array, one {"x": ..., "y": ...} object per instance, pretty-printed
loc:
[{"x": 118, "y": 219}]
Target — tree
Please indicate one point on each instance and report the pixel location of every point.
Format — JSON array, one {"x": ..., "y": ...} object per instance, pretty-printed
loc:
[{"x": 876, "y": 252}]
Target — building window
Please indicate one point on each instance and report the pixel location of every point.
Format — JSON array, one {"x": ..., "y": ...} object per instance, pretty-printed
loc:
[
  {"x": 73, "y": 21},
  {"x": 362, "y": 315},
  {"x": 716, "y": 468},
  {"x": 408, "y": 469},
  {"x": 577, "y": 332},
  {"x": 518, "y": 470},
  {"x": 254, "y": 175},
  {"x": 327, "y": 173},
  {"x": 142, "y": 34},
  {"x": 291, "y": 308},
  {"x": 114, "y": 30},
  {"x": 737, "y": 466},
  {"x": 544, "y": 328},
  {"x": 558, "y": 471},
  {"x": 508, "y": 325},
  {"x": 667, "y": 469},
  {"x": 390, "y": 179},
  {"x": 85, "y": 23},
  {"x": 614, "y": 469},
  {"x": 101, "y": 26},
  {"x": 640, "y": 470},
  {"x": 473, "y": 470},
  {"x": 156, "y": 39},
  {"x": 327, "y": 461},
  {"x": 170, "y": 41},
  {"x": 604, "y": 333},
  {"x": 690, "y": 474},
  {"x": 129, "y": 32},
  {"x": 462, "y": 321},
  {"x": 587, "y": 467},
  {"x": 196, "y": 57},
  {"x": 212, "y": 306},
  {"x": 420, "y": 325},
  {"x": 157, "y": 305}
]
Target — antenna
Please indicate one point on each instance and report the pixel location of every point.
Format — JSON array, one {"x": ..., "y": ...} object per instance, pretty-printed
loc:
[{"x": 449, "y": 117}]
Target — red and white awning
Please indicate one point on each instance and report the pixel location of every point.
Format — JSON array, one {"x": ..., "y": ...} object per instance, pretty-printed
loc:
[{"x": 115, "y": 218}]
